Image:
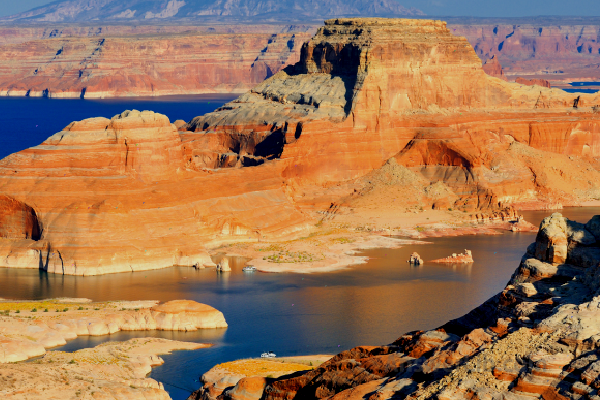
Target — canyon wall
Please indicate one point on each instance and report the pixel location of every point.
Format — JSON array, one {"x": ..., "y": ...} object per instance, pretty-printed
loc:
[
  {"x": 172, "y": 63},
  {"x": 560, "y": 53},
  {"x": 124, "y": 60},
  {"x": 136, "y": 192}
]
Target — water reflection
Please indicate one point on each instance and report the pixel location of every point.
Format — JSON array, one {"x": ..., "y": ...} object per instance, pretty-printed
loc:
[{"x": 295, "y": 314}]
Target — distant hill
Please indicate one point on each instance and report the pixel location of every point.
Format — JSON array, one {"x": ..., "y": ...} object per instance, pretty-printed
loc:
[{"x": 165, "y": 10}]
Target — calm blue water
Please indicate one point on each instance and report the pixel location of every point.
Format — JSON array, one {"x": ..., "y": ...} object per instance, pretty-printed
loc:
[
  {"x": 579, "y": 87},
  {"x": 585, "y": 83},
  {"x": 292, "y": 314},
  {"x": 28, "y": 121}
]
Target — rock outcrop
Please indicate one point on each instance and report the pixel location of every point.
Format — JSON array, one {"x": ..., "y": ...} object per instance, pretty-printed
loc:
[
  {"x": 62, "y": 60},
  {"x": 112, "y": 63},
  {"x": 401, "y": 96},
  {"x": 462, "y": 258},
  {"x": 559, "y": 51},
  {"x": 22, "y": 339},
  {"x": 111, "y": 371},
  {"x": 492, "y": 67},
  {"x": 81, "y": 182},
  {"x": 415, "y": 259},
  {"x": 538, "y": 338},
  {"x": 533, "y": 82}
]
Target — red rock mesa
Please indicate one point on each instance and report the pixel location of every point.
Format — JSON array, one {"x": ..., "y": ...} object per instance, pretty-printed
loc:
[{"x": 134, "y": 193}]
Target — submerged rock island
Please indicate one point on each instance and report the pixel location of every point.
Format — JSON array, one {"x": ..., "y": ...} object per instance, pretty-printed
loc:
[{"x": 379, "y": 120}]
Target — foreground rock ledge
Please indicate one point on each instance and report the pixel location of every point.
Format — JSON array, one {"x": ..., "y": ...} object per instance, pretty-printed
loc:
[
  {"x": 538, "y": 338},
  {"x": 28, "y": 334},
  {"x": 110, "y": 371},
  {"x": 373, "y": 107}
]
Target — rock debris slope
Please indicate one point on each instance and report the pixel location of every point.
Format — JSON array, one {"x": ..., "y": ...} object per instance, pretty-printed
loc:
[
  {"x": 135, "y": 192},
  {"x": 538, "y": 338}
]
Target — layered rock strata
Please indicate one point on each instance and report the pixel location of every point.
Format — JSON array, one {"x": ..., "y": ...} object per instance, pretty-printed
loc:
[
  {"x": 538, "y": 338},
  {"x": 557, "y": 51},
  {"x": 29, "y": 334},
  {"x": 404, "y": 100},
  {"x": 111, "y": 371},
  {"x": 106, "y": 65},
  {"x": 492, "y": 67},
  {"x": 115, "y": 195}
]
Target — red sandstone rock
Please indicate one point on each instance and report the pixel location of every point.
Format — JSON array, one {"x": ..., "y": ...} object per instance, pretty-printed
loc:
[
  {"x": 249, "y": 388},
  {"x": 492, "y": 67},
  {"x": 462, "y": 258},
  {"x": 259, "y": 166},
  {"x": 18, "y": 220},
  {"x": 111, "y": 65},
  {"x": 561, "y": 52},
  {"x": 532, "y": 82}
]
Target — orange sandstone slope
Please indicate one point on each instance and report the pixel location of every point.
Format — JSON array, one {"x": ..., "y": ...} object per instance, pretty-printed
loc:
[
  {"x": 366, "y": 90},
  {"x": 115, "y": 196},
  {"x": 133, "y": 193}
]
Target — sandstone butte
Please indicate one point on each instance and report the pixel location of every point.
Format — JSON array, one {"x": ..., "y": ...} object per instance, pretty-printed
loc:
[
  {"x": 537, "y": 339},
  {"x": 402, "y": 98},
  {"x": 73, "y": 60}
]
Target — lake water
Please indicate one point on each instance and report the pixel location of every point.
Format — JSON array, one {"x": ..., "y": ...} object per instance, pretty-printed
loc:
[
  {"x": 291, "y": 314},
  {"x": 580, "y": 87},
  {"x": 28, "y": 121}
]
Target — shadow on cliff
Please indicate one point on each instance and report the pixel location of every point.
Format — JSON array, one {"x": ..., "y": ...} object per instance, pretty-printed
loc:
[{"x": 338, "y": 60}]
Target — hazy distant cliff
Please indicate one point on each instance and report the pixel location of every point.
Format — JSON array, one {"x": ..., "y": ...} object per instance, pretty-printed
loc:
[{"x": 68, "y": 60}]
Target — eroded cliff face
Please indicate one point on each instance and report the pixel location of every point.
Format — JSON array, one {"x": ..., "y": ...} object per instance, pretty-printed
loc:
[
  {"x": 136, "y": 192},
  {"x": 226, "y": 57},
  {"x": 556, "y": 52},
  {"x": 114, "y": 196},
  {"x": 538, "y": 338},
  {"x": 105, "y": 65},
  {"x": 366, "y": 90}
]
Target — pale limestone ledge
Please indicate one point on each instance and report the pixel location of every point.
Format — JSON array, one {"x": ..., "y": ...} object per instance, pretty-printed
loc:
[
  {"x": 28, "y": 334},
  {"x": 110, "y": 371}
]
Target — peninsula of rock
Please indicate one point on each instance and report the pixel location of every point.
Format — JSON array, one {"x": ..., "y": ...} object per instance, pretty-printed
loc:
[{"x": 391, "y": 117}]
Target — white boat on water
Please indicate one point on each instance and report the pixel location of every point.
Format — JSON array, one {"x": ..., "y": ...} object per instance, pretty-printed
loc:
[
  {"x": 249, "y": 268},
  {"x": 268, "y": 354}
]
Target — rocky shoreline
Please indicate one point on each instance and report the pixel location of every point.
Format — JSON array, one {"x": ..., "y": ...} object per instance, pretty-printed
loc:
[
  {"x": 28, "y": 328},
  {"x": 112, "y": 370},
  {"x": 538, "y": 338}
]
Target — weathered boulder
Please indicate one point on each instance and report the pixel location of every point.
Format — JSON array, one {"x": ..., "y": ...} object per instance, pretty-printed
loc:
[
  {"x": 223, "y": 265},
  {"x": 248, "y": 388},
  {"x": 552, "y": 240}
]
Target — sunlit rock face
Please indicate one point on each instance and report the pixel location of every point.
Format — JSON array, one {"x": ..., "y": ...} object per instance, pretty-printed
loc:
[
  {"x": 137, "y": 192},
  {"x": 124, "y": 61},
  {"x": 538, "y": 338}
]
